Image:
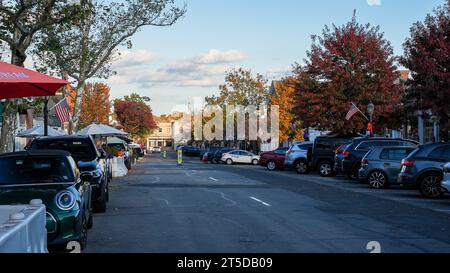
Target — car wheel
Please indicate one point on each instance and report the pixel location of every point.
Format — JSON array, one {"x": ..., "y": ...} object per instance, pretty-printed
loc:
[
  {"x": 377, "y": 180},
  {"x": 326, "y": 169},
  {"x": 83, "y": 232},
  {"x": 271, "y": 166},
  {"x": 255, "y": 161},
  {"x": 229, "y": 161},
  {"x": 301, "y": 167},
  {"x": 430, "y": 185}
]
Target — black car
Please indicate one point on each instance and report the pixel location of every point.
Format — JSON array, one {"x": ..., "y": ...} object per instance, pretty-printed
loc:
[
  {"x": 323, "y": 154},
  {"x": 89, "y": 160},
  {"x": 358, "y": 148},
  {"x": 218, "y": 155},
  {"x": 190, "y": 151},
  {"x": 422, "y": 169},
  {"x": 209, "y": 154}
]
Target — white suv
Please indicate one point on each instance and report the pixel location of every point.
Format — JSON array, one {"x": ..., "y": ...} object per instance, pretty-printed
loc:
[{"x": 297, "y": 157}]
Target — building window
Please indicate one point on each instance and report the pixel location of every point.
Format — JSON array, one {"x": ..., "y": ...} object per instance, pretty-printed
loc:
[{"x": 160, "y": 130}]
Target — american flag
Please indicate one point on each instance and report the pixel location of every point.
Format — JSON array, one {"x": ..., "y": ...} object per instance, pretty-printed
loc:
[
  {"x": 352, "y": 112},
  {"x": 63, "y": 111}
]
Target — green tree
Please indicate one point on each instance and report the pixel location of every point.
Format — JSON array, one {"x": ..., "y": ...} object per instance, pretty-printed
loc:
[
  {"x": 21, "y": 22},
  {"x": 86, "y": 49}
]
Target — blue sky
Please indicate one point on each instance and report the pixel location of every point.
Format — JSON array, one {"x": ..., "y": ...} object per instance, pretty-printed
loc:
[{"x": 173, "y": 64}]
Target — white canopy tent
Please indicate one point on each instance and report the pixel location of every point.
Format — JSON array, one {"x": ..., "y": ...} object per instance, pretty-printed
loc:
[
  {"x": 101, "y": 130},
  {"x": 39, "y": 131}
]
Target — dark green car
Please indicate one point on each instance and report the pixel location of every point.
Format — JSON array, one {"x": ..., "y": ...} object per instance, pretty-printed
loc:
[{"x": 53, "y": 177}]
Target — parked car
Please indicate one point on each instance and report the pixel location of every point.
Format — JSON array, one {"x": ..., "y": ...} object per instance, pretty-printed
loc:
[
  {"x": 339, "y": 156},
  {"x": 209, "y": 154},
  {"x": 88, "y": 158},
  {"x": 123, "y": 150},
  {"x": 53, "y": 177},
  {"x": 240, "y": 157},
  {"x": 298, "y": 156},
  {"x": 353, "y": 153},
  {"x": 156, "y": 149},
  {"x": 202, "y": 153},
  {"x": 324, "y": 152},
  {"x": 190, "y": 151},
  {"x": 273, "y": 160},
  {"x": 219, "y": 153},
  {"x": 446, "y": 180},
  {"x": 381, "y": 165},
  {"x": 422, "y": 169}
]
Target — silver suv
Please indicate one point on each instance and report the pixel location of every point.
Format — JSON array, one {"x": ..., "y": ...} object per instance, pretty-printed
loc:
[{"x": 298, "y": 157}]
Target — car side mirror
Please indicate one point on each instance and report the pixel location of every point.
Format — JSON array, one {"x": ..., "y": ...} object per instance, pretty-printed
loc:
[{"x": 86, "y": 177}]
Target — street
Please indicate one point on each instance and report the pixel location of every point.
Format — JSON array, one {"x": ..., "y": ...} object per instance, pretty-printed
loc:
[{"x": 197, "y": 208}]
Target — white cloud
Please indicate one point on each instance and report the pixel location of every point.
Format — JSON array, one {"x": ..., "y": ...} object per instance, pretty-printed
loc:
[
  {"x": 374, "y": 2},
  {"x": 215, "y": 56},
  {"x": 128, "y": 58},
  {"x": 205, "y": 70}
]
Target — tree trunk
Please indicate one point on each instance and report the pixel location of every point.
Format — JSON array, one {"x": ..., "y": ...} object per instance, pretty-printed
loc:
[
  {"x": 10, "y": 110},
  {"x": 9, "y": 126},
  {"x": 77, "y": 106}
]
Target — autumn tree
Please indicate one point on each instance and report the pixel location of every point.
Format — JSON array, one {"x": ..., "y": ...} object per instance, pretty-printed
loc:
[
  {"x": 135, "y": 115},
  {"x": 95, "y": 105},
  {"x": 87, "y": 48},
  {"x": 21, "y": 22},
  {"x": 427, "y": 55},
  {"x": 283, "y": 95},
  {"x": 241, "y": 88},
  {"x": 348, "y": 63}
]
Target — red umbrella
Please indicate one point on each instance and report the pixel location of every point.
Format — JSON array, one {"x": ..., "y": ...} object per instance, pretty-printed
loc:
[{"x": 19, "y": 82}]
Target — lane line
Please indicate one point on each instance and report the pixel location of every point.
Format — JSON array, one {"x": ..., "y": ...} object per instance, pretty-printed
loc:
[
  {"x": 260, "y": 201},
  {"x": 213, "y": 179}
]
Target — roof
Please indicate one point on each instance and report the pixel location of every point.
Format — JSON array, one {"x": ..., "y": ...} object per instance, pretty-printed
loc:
[{"x": 53, "y": 153}]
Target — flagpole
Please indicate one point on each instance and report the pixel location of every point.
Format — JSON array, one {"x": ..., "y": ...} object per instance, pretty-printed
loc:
[
  {"x": 361, "y": 112},
  {"x": 46, "y": 116},
  {"x": 60, "y": 103}
]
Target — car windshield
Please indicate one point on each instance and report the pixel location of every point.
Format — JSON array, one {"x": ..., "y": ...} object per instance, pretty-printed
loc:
[
  {"x": 81, "y": 150},
  {"x": 26, "y": 170}
]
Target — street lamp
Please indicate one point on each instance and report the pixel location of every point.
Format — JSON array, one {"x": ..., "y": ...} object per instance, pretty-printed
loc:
[{"x": 371, "y": 110}]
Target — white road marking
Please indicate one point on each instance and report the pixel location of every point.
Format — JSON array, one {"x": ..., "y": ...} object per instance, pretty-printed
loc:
[
  {"x": 213, "y": 179},
  {"x": 260, "y": 201}
]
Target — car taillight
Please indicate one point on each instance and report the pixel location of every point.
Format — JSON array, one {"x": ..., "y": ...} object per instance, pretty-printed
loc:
[
  {"x": 407, "y": 163},
  {"x": 346, "y": 153},
  {"x": 364, "y": 162}
]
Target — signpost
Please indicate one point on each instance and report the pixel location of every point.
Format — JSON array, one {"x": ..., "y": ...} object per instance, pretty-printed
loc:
[{"x": 180, "y": 157}]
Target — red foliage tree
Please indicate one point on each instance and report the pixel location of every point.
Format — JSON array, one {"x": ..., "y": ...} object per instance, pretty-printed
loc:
[
  {"x": 350, "y": 63},
  {"x": 135, "y": 115},
  {"x": 427, "y": 55}
]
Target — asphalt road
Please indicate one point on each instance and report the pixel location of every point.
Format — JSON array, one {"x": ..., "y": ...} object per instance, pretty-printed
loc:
[{"x": 197, "y": 208}]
